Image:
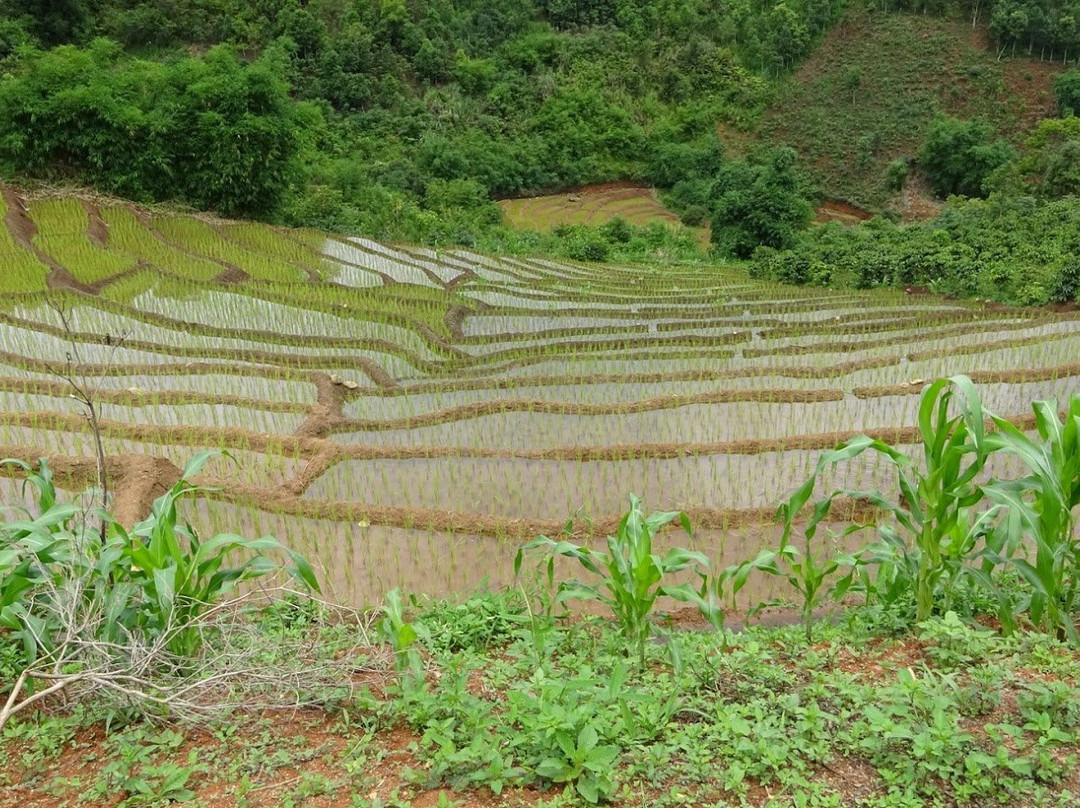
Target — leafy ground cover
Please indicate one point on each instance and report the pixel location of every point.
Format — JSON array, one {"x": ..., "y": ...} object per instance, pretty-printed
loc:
[{"x": 495, "y": 707}]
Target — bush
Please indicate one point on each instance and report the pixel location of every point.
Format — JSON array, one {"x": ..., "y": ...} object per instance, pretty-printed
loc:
[
  {"x": 959, "y": 156},
  {"x": 211, "y": 131},
  {"x": 1067, "y": 93},
  {"x": 1011, "y": 249},
  {"x": 759, "y": 205},
  {"x": 694, "y": 216},
  {"x": 896, "y": 174},
  {"x": 1066, "y": 284}
]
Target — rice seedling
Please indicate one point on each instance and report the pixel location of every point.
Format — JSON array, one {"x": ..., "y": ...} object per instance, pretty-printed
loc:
[
  {"x": 62, "y": 233},
  {"x": 202, "y": 239},
  {"x": 128, "y": 234},
  {"x": 23, "y": 272}
]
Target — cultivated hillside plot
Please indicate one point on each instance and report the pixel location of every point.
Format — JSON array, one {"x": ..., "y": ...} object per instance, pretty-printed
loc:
[
  {"x": 593, "y": 205},
  {"x": 407, "y": 416}
]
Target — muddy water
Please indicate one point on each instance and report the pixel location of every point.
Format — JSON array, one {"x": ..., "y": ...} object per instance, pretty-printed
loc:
[
  {"x": 695, "y": 423},
  {"x": 555, "y": 489},
  {"x": 412, "y": 404},
  {"x": 298, "y": 391},
  {"x": 358, "y": 565},
  {"x": 688, "y": 424}
]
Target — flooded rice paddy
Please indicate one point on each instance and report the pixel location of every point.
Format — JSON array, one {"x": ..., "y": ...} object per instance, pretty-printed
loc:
[{"x": 408, "y": 416}]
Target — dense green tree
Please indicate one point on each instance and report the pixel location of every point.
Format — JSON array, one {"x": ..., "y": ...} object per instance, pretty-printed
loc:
[
  {"x": 213, "y": 132},
  {"x": 415, "y": 96},
  {"x": 1012, "y": 249},
  {"x": 52, "y": 22},
  {"x": 959, "y": 156},
  {"x": 1067, "y": 92},
  {"x": 759, "y": 205}
]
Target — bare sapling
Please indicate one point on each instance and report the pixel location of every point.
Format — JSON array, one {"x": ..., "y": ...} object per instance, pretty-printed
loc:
[{"x": 85, "y": 394}]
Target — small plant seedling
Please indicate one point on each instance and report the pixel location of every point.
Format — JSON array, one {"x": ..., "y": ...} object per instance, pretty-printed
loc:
[
  {"x": 400, "y": 634},
  {"x": 631, "y": 573}
]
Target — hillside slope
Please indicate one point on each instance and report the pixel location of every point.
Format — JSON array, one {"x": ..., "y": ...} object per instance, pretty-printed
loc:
[{"x": 868, "y": 93}]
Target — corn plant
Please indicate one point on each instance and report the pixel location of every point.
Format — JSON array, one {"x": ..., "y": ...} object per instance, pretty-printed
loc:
[
  {"x": 179, "y": 575},
  {"x": 631, "y": 573},
  {"x": 934, "y": 534},
  {"x": 154, "y": 582},
  {"x": 1041, "y": 506},
  {"x": 401, "y": 635},
  {"x": 29, "y": 548},
  {"x": 810, "y": 573}
]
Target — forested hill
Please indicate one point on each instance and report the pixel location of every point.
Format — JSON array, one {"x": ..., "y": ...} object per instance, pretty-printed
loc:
[
  {"x": 383, "y": 115},
  {"x": 405, "y": 119}
]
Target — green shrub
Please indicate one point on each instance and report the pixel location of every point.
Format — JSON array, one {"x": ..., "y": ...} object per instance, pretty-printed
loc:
[
  {"x": 211, "y": 131},
  {"x": 759, "y": 204},
  {"x": 1067, "y": 93},
  {"x": 1066, "y": 285},
  {"x": 896, "y": 174},
  {"x": 959, "y": 156}
]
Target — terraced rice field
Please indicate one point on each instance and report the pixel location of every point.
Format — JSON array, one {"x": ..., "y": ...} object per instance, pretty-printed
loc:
[
  {"x": 591, "y": 205},
  {"x": 408, "y": 417}
]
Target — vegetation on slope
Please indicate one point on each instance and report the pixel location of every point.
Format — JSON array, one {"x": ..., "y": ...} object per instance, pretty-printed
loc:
[
  {"x": 403, "y": 121},
  {"x": 870, "y": 94},
  {"x": 406, "y": 119}
]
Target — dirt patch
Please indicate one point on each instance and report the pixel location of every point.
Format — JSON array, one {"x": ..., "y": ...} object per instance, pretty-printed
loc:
[
  {"x": 17, "y": 220},
  {"x": 837, "y": 210},
  {"x": 327, "y": 413},
  {"x": 96, "y": 230},
  {"x": 315, "y": 468},
  {"x": 135, "y": 481},
  {"x": 886, "y": 658},
  {"x": 138, "y": 480},
  {"x": 22, "y": 230},
  {"x": 1032, "y": 82},
  {"x": 916, "y": 202},
  {"x": 59, "y": 278},
  {"x": 232, "y": 275},
  {"x": 454, "y": 319}
]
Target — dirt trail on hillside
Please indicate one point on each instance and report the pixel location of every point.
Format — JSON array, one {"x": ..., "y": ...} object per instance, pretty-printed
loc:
[{"x": 134, "y": 480}]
